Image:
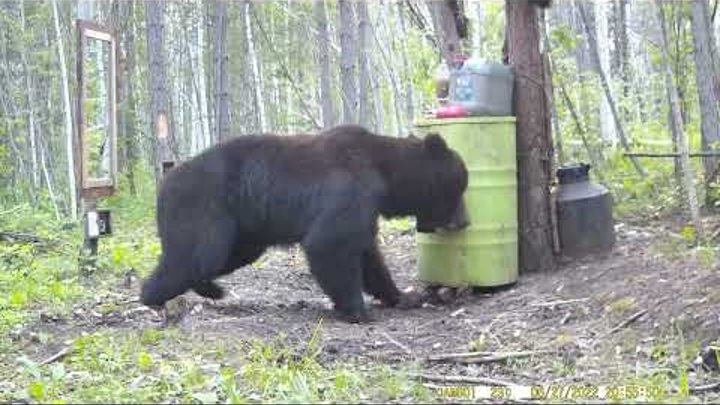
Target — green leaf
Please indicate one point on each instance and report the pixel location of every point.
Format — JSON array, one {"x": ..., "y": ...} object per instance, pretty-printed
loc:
[
  {"x": 144, "y": 360},
  {"x": 36, "y": 389}
]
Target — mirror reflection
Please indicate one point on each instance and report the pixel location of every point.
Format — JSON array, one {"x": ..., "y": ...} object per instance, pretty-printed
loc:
[{"x": 97, "y": 109}]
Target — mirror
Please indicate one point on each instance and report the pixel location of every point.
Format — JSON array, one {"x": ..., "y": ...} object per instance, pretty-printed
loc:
[{"x": 97, "y": 109}]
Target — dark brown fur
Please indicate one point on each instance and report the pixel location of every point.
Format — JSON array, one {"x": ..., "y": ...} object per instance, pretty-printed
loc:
[{"x": 220, "y": 210}]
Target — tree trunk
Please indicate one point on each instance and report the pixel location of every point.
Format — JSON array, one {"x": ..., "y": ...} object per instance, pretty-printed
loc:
[
  {"x": 222, "y": 113},
  {"x": 363, "y": 64},
  {"x": 69, "y": 144},
  {"x": 549, "y": 89},
  {"x": 48, "y": 181},
  {"x": 257, "y": 81},
  {"x": 620, "y": 55},
  {"x": 323, "y": 40},
  {"x": 445, "y": 25},
  {"x": 479, "y": 43},
  {"x": 607, "y": 127},
  {"x": 29, "y": 91},
  {"x": 160, "y": 116},
  {"x": 688, "y": 183},
  {"x": 409, "y": 108},
  {"x": 289, "y": 107},
  {"x": 126, "y": 96},
  {"x": 534, "y": 146},
  {"x": 347, "y": 60},
  {"x": 605, "y": 85},
  {"x": 378, "y": 102},
  {"x": 710, "y": 123},
  {"x": 390, "y": 71},
  {"x": 201, "y": 82}
]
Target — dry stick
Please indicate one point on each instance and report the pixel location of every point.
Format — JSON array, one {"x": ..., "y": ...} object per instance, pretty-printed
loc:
[
  {"x": 396, "y": 343},
  {"x": 462, "y": 379},
  {"x": 486, "y": 357},
  {"x": 559, "y": 302},
  {"x": 671, "y": 154},
  {"x": 57, "y": 356},
  {"x": 704, "y": 388},
  {"x": 626, "y": 322}
]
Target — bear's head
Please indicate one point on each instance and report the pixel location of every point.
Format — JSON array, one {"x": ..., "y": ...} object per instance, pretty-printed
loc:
[{"x": 446, "y": 179}]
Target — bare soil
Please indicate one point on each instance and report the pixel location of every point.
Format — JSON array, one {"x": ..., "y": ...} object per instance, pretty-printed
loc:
[{"x": 606, "y": 318}]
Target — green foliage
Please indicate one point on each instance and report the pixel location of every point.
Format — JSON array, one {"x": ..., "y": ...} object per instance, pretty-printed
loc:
[{"x": 125, "y": 368}]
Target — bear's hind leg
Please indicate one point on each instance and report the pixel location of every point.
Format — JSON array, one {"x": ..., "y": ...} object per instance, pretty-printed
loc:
[
  {"x": 242, "y": 255},
  {"x": 164, "y": 284}
]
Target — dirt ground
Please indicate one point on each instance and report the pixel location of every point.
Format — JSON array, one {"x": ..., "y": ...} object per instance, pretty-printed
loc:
[{"x": 630, "y": 313}]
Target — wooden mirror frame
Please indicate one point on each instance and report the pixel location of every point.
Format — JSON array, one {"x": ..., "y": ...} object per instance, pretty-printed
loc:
[{"x": 94, "y": 187}]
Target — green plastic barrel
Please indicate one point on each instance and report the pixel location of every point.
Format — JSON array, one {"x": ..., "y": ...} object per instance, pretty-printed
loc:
[{"x": 486, "y": 253}]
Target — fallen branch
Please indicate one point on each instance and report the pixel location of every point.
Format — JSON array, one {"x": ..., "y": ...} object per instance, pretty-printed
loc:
[
  {"x": 670, "y": 154},
  {"x": 57, "y": 356},
  {"x": 398, "y": 344},
  {"x": 462, "y": 379},
  {"x": 634, "y": 317},
  {"x": 12, "y": 237},
  {"x": 485, "y": 357},
  {"x": 559, "y": 302},
  {"x": 705, "y": 388}
]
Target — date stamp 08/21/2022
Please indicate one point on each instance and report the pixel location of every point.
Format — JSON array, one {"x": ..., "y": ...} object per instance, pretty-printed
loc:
[{"x": 579, "y": 392}]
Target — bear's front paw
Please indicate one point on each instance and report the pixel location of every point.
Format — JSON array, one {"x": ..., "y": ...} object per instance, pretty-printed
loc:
[
  {"x": 355, "y": 317},
  {"x": 412, "y": 299}
]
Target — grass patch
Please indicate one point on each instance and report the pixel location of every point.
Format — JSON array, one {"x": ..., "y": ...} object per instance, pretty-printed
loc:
[{"x": 167, "y": 366}]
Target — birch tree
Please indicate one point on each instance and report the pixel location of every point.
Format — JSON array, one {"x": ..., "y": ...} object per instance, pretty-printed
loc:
[
  {"x": 347, "y": 60},
  {"x": 363, "y": 63},
  {"x": 687, "y": 184},
  {"x": 222, "y": 113},
  {"x": 72, "y": 185},
  {"x": 257, "y": 82},
  {"x": 323, "y": 63}
]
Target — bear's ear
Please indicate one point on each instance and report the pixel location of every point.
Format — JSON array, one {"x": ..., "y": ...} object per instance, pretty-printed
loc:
[{"x": 435, "y": 145}]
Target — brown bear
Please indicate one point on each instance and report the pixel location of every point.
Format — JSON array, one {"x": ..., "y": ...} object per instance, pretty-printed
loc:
[{"x": 220, "y": 210}]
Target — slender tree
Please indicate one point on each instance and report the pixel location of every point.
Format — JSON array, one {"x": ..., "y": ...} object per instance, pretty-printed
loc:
[
  {"x": 72, "y": 185},
  {"x": 347, "y": 60},
  {"x": 323, "y": 63}
]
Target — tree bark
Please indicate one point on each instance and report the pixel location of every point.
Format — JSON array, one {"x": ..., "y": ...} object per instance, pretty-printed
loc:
[
  {"x": 69, "y": 139},
  {"x": 445, "y": 24},
  {"x": 363, "y": 64},
  {"x": 323, "y": 40},
  {"x": 199, "y": 80},
  {"x": 534, "y": 146},
  {"x": 289, "y": 105},
  {"x": 222, "y": 113},
  {"x": 409, "y": 104},
  {"x": 257, "y": 80},
  {"x": 607, "y": 126},
  {"x": 710, "y": 123},
  {"x": 347, "y": 61},
  {"x": 160, "y": 116},
  {"x": 29, "y": 91},
  {"x": 687, "y": 184},
  {"x": 126, "y": 96}
]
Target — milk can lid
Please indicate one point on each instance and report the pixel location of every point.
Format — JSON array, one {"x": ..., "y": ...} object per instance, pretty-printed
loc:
[{"x": 573, "y": 173}]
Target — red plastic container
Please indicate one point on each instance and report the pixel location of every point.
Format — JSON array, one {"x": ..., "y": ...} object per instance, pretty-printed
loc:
[{"x": 451, "y": 111}]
